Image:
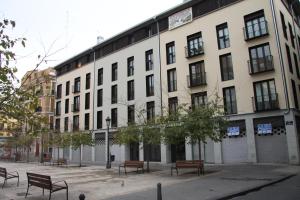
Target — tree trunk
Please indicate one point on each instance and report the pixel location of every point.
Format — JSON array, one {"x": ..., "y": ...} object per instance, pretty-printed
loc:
[
  {"x": 27, "y": 156},
  {"x": 42, "y": 149},
  {"x": 57, "y": 152},
  {"x": 199, "y": 149},
  {"x": 80, "y": 156},
  {"x": 148, "y": 158}
]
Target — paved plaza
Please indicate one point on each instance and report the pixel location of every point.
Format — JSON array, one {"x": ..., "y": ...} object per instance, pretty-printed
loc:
[{"x": 98, "y": 183}]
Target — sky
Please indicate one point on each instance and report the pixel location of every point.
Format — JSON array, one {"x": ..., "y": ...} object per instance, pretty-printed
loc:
[{"x": 64, "y": 28}]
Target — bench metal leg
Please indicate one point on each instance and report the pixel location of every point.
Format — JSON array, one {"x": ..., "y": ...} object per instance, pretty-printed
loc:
[
  {"x": 43, "y": 191},
  {"x": 27, "y": 191},
  {"x": 125, "y": 170},
  {"x": 50, "y": 194},
  {"x": 18, "y": 181},
  {"x": 67, "y": 193},
  {"x": 3, "y": 183}
]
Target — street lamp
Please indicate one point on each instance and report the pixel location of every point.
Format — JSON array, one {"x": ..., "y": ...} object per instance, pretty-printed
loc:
[{"x": 108, "y": 164}]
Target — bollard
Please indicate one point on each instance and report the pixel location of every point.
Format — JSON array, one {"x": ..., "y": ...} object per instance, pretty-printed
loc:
[
  {"x": 81, "y": 197},
  {"x": 159, "y": 196}
]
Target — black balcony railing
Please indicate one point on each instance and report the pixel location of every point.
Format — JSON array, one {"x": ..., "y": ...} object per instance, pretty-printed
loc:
[
  {"x": 58, "y": 95},
  {"x": 57, "y": 112},
  {"x": 76, "y": 88},
  {"x": 194, "y": 51},
  {"x": 265, "y": 103},
  {"x": 256, "y": 30},
  {"x": 258, "y": 65},
  {"x": 196, "y": 79},
  {"x": 75, "y": 107}
]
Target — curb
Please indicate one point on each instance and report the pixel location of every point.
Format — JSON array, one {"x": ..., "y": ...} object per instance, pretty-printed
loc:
[{"x": 256, "y": 188}]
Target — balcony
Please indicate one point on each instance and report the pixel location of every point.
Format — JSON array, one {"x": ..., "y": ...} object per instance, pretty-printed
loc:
[
  {"x": 58, "y": 95},
  {"x": 75, "y": 107},
  {"x": 195, "y": 51},
  {"x": 195, "y": 80},
  {"x": 259, "y": 65},
  {"x": 76, "y": 89},
  {"x": 257, "y": 30},
  {"x": 265, "y": 103}
]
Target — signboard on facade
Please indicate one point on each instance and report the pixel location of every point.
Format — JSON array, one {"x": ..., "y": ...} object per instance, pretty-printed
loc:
[
  {"x": 180, "y": 18},
  {"x": 263, "y": 129},
  {"x": 233, "y": 131}
]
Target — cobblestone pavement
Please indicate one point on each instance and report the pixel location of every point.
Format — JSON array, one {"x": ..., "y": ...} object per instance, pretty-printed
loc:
[{"x": 98, "y": 183}]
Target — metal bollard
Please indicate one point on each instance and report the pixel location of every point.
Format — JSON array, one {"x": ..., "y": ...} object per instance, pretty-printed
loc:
[
  {"x": 159, "y": 196},
  {"x": 81, "y": 197}
]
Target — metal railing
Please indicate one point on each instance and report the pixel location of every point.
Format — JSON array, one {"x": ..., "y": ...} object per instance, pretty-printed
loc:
[
  {"x": 265, "y": 103},
  {"x": 195, "y": 51},
  {"x": 196, "y": 79},
  {"x": 75, "y": 107},
  {"x": 257, "y": 65},
  {"x": 256, "y": 30}
]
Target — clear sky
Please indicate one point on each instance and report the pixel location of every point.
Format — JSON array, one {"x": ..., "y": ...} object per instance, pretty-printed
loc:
[{"x": 71, "y": 26}]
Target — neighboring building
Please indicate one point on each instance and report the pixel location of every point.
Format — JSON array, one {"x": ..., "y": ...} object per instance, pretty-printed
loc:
[
  {"x": 42, "y": 83},
  {"x": 187, "y": 55}
]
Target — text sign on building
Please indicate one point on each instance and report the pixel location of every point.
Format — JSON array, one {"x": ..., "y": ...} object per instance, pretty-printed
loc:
[
  {"x": 180, "y": 18},
  {"x": 233, "y": 131},
  {"x": 263, "y": 129}
]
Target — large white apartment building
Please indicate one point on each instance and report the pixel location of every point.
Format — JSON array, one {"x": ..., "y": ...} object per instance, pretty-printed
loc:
[{"x": 246, "y": 51}]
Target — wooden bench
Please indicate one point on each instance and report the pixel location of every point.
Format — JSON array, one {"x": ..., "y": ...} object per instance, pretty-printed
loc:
[
  {"x": 44, "y": 181},
  {"x": 60, "y": 161},
  {"x": 189, "y": 164},
  {"x": 8, "y": 175},
  {"x": 133, "y": 164}
]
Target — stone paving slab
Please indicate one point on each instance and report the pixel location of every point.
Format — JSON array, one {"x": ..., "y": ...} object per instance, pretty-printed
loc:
[{"x": 97, "y": 183}]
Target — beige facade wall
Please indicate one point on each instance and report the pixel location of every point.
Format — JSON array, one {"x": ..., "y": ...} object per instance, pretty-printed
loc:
[
  {"x": 243, "y": 81},
  {"x": 70, "y": 76}
]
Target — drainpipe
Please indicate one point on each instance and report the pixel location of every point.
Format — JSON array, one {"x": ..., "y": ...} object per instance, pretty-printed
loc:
[
  {"x": 285, "y": 89},
  {"x": 94, "y": 89}
]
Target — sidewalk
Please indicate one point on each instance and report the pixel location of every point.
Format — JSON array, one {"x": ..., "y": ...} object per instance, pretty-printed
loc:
[{"x": 98, "y": 183}]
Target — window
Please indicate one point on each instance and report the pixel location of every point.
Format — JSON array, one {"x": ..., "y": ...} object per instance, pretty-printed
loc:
[
  {"x": 199, "y": 99},
  {"x": 76, "y": 85},
  {"x": 76, "y": 123},
  {"x": 130, "y": 66},
  {"x": 170, "y": 52},
  {"x": 261, "y": 59},
  {"x": 149, "y": 60},
  {"x": 114, "y": 117},
  {"x": 66, "y": 124},
  {"x": 265, "y": 95},
  {"x": 57, "y": 124},
  {"x": 150, "y": 110},
  {"x": 256, "y": 25},
  {"x": 58, "y": 108},
  {"x": 67, "y": 88},
  {"x": 87, "y": 121},
  {"x": 288, "y": 54},
  {"x": 130, "y": 90},
  {"x": 99, "y": 98},
  {"x": 292, "y": 35},
  {"x": 88, "y": 81},
  {"x": 114, "y": 72},
  {"x": 99, "y": 119},
  {"x": 100, "y": 76},
  {"x": 283, "y": 25},
  {"x": 76, "y": 105},
  {"x": 223, "y": 36},
  {"x": 226, "y": 67},
  {"x": 87, "y": 101},
  {"x": 114, "y": 94},
  {"x": 295, "y": 94},
  {"x": 150, "y": 85},
  {"x": 172, "y": 80},
  {"x": 230, "y": 106},
  {"x": 297, "y": 65},
  {"x": 131, "y": 114},
  {"x": 67, "y": 106},
  {"x": 197, "y": 74},
  {"x": 58, "y": 91},
  {"x": 173, "y": 105},
  {"x": 195, "y": 45}
]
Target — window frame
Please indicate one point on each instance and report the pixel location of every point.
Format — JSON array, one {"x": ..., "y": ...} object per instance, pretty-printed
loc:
[
  {"x": 172, "y": 80},
  {"x": 232, "y": 101},
  {"x": 130, "y": 90},
  {"x": 150, "y": 85},
  {"x": 227, "y": 72},
  {"x": 170, "y": 53},
  {"x": 224, "y": 39},
  {"x": 130, "y": 66}
]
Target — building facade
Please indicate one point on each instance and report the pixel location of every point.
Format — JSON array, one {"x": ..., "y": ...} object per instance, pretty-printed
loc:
[{"x": 189, "y": 54}]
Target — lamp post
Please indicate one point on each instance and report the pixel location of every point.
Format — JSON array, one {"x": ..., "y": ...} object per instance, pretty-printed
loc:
[{"x": 108, "y": 164}]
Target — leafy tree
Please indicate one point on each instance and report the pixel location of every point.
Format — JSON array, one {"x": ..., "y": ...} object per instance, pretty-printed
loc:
[
  {"x": 60, "y": 140},
  {"x": 79, "y": 139}
]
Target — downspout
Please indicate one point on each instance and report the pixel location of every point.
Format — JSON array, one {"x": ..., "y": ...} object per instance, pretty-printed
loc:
[
  {"x": 159, "y": 58},
  {"x": 286, "y": 95},
  {"x": 94, "y": 90}
]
